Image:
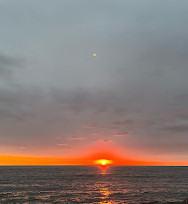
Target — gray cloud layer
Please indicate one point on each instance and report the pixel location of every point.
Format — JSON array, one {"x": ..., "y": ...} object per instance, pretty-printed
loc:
[{"x": 136, "y": 85}]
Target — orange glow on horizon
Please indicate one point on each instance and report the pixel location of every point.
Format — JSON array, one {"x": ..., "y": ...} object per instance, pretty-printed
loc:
[{"x": 90, "y": 160}]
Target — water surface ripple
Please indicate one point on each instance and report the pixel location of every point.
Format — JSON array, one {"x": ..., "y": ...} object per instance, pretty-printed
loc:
[{"x": 87, "y": 184}]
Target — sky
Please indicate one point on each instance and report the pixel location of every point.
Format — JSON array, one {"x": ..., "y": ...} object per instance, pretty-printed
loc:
[{"x": 58, "y": 100}]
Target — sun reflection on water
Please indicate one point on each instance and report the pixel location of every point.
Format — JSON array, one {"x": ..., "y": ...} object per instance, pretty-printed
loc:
[
  {"x": 105, "y": 193},
  {"x": 103, "y": 172}
]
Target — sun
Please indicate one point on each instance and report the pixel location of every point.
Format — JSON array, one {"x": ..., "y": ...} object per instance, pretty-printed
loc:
[{"x": 103, "y": 162}]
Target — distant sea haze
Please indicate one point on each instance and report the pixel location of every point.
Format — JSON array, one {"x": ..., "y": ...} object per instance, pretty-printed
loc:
[{"x": 90, "y": 184}]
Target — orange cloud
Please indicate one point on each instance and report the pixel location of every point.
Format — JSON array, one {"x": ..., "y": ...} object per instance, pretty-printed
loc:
[
  {"x": 77, "y": 138},
  {"x": 62, "y": 145}
]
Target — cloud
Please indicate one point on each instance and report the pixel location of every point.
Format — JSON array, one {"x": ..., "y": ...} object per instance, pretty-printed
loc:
[
  {"x": 95, "y": 134},
  {"x": 89, "y": 127},
  {"x": 62, "y": 145},
  {"x": 121, "y": 135},
  {"x": 177, "y": 128},
  {"x": 77, "y": 138},
  {"x": 140, "y": 72},
  {"x": 103, "y": 141},
  {"x": 8, "y": 65}
]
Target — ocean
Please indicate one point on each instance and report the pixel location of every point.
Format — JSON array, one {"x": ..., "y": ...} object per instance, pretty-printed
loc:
[{"x": 90, "y": 184}]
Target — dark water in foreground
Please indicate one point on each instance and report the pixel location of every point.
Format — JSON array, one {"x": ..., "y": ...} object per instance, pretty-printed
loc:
[{"x": 84, "y": 184}]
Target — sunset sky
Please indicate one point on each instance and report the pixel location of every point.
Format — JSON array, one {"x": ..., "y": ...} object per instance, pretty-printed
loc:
[{"x": 82, "y": 80}]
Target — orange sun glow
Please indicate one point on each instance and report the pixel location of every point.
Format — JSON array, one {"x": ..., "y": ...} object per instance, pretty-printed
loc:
[{"x": 103, "y": 162}]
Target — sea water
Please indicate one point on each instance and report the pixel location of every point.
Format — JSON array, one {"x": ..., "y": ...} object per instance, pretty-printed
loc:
[{"x": 90, "y": 184}]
